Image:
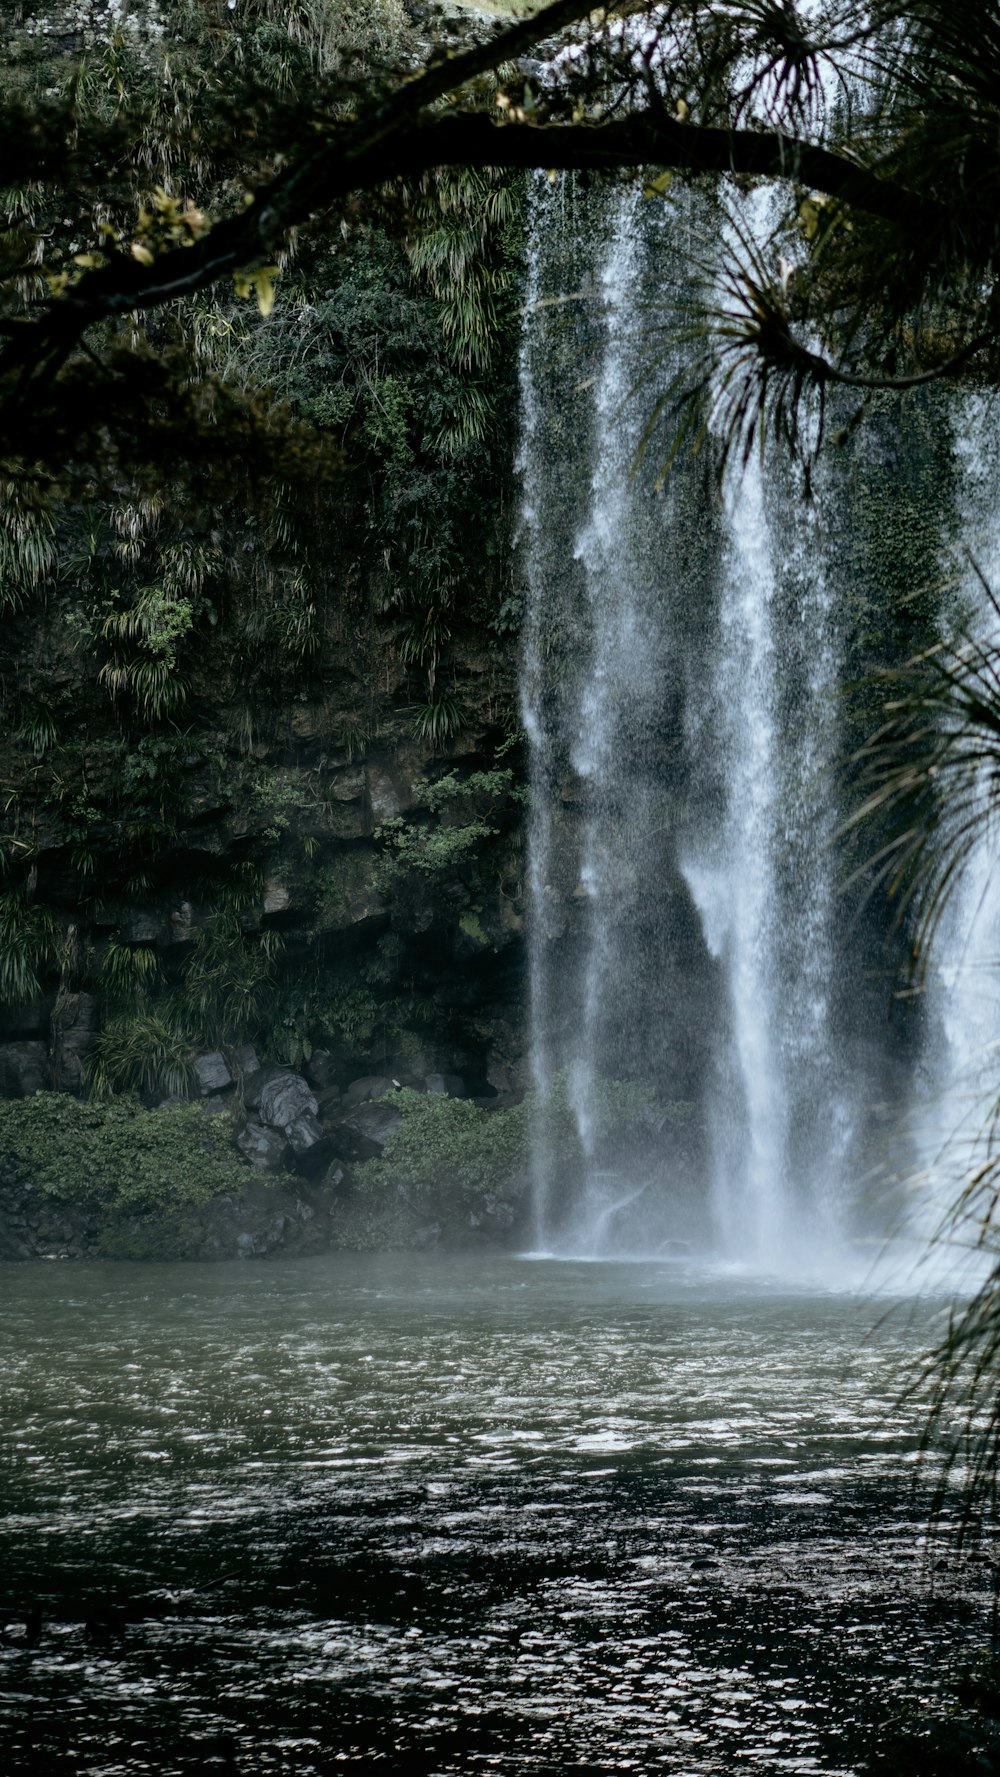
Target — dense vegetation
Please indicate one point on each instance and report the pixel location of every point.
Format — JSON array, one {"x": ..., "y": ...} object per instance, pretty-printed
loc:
[{"x": 231, "y": 668}]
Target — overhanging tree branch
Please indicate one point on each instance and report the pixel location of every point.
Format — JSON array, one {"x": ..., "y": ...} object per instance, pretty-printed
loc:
[{"x": 369, "y": 154}]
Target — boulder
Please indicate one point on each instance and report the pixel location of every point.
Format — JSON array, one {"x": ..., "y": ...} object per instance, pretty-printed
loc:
[
  {"x": 369, "y": 1127},
  {"x": 330, "y": 1100},
  {"x": 182, "y": 923},
  {"x": 451, "y": 1084},
  {"x": 218, "y": 1104},
  {"x": 212, "y": 1072},
  {"x": 243, "y": 1059},
  {"x": 264, "y": 1148},
  {"x": 277, "y": 896},
  {"x": 303, "y": 1132},
  {"x": 285, "y": 1099},
  {"x": 254, "y": 1083},
  {"x": 143, "y": 925},
  {"x": 369, "y": 1086},
  {"x": 347, "y": 784},
  {"x": 24, "y": 1069},
  {"x": 321, "y": 1070}
]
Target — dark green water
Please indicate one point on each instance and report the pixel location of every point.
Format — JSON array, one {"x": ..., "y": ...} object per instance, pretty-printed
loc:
[{"x": 435, "y": 1515}]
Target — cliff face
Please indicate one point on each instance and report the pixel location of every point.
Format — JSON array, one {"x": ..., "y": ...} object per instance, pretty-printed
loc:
[{"x": 261, "y": 753}]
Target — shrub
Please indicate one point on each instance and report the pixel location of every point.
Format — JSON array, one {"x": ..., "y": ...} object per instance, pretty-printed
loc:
[
  {"x": 28, "y": 946},
  {"x": 451, "y": 1148},
  {"x": 117, "y": 1156},
  {"x": 449, "y": 1144},
  {"x": 141, "y": 1053}
]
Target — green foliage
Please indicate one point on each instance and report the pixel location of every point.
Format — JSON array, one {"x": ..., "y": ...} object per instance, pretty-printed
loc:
[
  {"x": 228, "y": 985},
  {"x": 146, "y": 637},
  {"x": 410, "y": 851},
  {"x": 27, "y": 550},
  {"x": 930, "y": 779},
  {"x": 453, "y": 1150},
  {"x": 449, "y": 1146},
  {"x": 117, "y": 1156},
  {"x": 490, "y": 788},
  {"x": 284, "y": 798},
  {"x": 318, "y": 1014},
  {"x": 297, "y": 624},
  {"x": 28, "y": 946},
  {"x": 139, "y": 1053},
  {"x": 438, "y": 720},
  {"x": 461, "y": 215},
  {"x": 388, "y": 403},
  {"x": 354, "y": 742},
  {"x": 129, "y": 972},
  {"x": 38, "y": 730}
]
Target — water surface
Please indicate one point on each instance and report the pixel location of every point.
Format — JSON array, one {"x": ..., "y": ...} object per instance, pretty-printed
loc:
[{"x": 428, "y": 1514}]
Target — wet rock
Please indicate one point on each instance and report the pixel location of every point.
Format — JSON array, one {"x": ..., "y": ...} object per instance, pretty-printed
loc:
[
  {"x": 303, "y": 1132},
  {"x": 182, "y": 923},
  {"x": 73, "y": 1033},
  {"x": 347, "y": 892},
  {"x": 143, "y": 926},
  {"x": 389, "y": 793},
  {"x": 285, "y": 1100},
  {"x": 369, "y": 1086},
  {"x": 450, "y": 1084},
  {"x": 266, "y": 1149},
  {"x": 24, "y": 1069},
  {"x": 277, "y": 896},
  {"x": 212, "y": 1073},
  {"x": 369, "y": 1127},
  {"x": 218, "y": 1105},
  {"x": 255, "y": 1082},
  {"x": 321, "y": 1070},
  {"x": 21, "y": 1022},
  {"x": 348, "y": 784}
]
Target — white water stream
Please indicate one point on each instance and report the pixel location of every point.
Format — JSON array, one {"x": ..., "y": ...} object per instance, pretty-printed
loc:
[{"x": 684, "y": 668}]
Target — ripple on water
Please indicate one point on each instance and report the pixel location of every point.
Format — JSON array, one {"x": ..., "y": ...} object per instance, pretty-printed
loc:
[{"x": 422, "y": 1512}]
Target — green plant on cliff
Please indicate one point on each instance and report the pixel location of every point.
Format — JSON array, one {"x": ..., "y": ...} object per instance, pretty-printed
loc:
[
  {"x": 129, "y": 973},
  {"x": 409, "y": 851},
  {"x": 412, "y": 851},
  {"x": 29, "y": 945},
  {"x": 27, "y": 550},
  {"x": 144, "y": 672},
  {"x": 117, "y": 1156},
  {"x": 139, "y": 1052},
  {"x": 229, "y": 981}
]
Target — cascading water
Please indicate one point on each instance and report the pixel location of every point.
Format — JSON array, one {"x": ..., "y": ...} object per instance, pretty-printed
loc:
[
  {"x": 965, "y": 983},
  {"x": 761, "y": 880},
  {"x": 680, "y": 696},
  {"x": 609, "y": 570}
]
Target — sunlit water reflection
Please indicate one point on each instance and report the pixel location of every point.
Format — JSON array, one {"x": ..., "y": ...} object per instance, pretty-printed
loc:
[{"x": 433, "y": 1514}]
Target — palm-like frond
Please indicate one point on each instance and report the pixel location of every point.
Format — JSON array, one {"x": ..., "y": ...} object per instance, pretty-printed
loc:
[{"x": 929, "y": 780}]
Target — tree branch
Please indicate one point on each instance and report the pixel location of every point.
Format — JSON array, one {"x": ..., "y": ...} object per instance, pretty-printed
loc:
[{"x": 401, "y": 137}]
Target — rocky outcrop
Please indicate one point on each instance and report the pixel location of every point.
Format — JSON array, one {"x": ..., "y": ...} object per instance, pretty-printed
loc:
[{"x": 262, "y": 1220}]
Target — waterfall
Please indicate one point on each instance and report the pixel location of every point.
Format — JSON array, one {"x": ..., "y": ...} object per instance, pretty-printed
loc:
[
  {"x": 965, "y": 979},
  {"x": 603, "y": 709},
  {"x": 686, "y": 653},
  {"x": 763, "y": 878}
]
